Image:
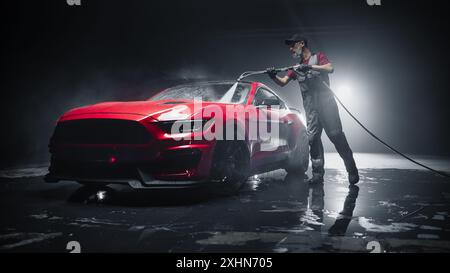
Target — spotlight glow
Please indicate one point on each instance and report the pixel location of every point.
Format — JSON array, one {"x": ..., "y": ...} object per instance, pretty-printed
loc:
[
  {"x": 345, "y": 91},
  {"x": 348, "y": 91}
]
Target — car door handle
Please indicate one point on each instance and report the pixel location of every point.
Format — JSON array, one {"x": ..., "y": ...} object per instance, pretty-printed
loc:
[{"x": 288, "y": 122}]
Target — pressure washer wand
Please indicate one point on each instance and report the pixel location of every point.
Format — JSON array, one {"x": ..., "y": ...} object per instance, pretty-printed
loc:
[{"x": 252, "y": 73}]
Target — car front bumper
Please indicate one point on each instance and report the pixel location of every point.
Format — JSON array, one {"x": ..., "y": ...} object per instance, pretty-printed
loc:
[
  {"x": 177, "y": 166},
  {"x": 135, "y": 183}
]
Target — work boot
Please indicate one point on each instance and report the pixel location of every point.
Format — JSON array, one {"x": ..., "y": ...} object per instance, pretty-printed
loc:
[
  {"x": 315, "y": 179},
  {"x": 353, "y": 178}
]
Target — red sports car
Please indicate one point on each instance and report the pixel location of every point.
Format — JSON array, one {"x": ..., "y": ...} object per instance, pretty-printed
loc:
[{"x": 184, "y": 136}]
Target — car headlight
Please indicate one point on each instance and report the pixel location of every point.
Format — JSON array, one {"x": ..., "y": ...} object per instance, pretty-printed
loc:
[{"x": 182, "y": 126}]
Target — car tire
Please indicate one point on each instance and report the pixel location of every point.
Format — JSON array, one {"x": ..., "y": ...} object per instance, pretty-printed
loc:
[
  {"x": 231, "y": 165},
  {"x": 299, "y": 158}
]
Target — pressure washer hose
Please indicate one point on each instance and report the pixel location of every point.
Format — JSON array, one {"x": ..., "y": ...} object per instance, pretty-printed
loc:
[
  {"x": 381, "y": 141},
  {"x": 441, "y": 173}
]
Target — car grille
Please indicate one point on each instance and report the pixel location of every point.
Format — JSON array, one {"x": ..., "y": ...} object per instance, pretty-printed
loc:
[
  {"x": 100, "y": 131},
  {"x": 76, "y": 169}
]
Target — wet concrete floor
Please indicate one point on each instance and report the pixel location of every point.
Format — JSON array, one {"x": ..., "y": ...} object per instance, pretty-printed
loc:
[{"x": 392, "y": 210}]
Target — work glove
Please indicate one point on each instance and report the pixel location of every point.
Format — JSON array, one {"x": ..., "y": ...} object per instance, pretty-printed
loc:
[
  {"x": 302, "y": 67},
  {"x": 271, "y": 71}
]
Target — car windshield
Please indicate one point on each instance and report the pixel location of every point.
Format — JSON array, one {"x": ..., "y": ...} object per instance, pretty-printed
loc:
[{"x": 236, "y": 93}]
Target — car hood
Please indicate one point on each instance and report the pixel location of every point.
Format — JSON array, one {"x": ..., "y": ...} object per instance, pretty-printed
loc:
[{"x": 138, "y": 110}]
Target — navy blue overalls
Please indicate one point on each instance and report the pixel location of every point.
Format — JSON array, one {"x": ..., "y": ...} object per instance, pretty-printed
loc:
[{"x": 322, "y": 113}]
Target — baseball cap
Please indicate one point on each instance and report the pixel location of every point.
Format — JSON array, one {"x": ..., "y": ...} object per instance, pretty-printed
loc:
[{"x": 295, "y": 38}]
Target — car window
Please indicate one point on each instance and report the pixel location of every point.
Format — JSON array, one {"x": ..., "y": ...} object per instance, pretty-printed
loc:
[
  {"x": 235, "y": 93},
  {"x": 263, "y": 94}
]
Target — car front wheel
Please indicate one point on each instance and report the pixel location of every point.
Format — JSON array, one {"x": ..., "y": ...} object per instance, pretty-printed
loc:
[{"x": 231, "y": 166}]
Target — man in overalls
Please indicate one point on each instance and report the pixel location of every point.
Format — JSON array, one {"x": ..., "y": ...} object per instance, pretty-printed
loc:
[{"x": 320, "y": 107}]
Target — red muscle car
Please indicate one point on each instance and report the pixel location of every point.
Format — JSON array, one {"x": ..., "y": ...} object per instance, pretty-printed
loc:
[{"x": 184, "y": 136}]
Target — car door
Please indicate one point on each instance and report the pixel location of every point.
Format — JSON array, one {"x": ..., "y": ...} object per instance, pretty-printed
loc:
[{"x": 272, "y": 140}]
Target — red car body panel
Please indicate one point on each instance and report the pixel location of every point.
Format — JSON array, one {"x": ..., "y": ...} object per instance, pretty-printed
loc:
[{"x": 160, "y": 148}]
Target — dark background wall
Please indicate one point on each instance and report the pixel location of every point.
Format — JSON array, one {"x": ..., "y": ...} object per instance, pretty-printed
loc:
[{"x": 391, "y": 61}]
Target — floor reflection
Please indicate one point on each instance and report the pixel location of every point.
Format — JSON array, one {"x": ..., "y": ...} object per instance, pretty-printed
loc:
[
  {"x": 405, "y": 210},
  {"x": 273, "y": 203},
  {"x": 124, "y": 196},
  {"x": 312, "y": 198},
  {"x": 345, "y": 216}
]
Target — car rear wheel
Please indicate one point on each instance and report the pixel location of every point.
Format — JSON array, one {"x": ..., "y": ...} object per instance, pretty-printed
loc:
[
  {"x": 231, "y": 166},
  {"x": 299, "y": 158}
]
